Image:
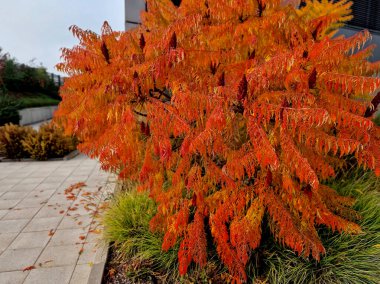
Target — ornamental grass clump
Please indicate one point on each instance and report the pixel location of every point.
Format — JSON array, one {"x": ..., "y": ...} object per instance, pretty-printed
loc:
[{"x": 241, "y": 109}]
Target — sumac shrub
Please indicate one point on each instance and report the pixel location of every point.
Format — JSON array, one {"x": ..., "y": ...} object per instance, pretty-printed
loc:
[{"x": 226, "y": 112}]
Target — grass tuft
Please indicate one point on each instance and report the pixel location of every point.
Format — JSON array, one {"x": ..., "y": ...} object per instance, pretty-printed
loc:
[{"x": 126, "y": 225}]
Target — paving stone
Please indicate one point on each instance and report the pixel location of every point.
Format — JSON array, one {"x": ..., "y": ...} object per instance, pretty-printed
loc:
[
  {"x": 59, "y": 198},
  {"x": 24, "y": 187},
  {"x": 13, "y": 277},
  {"x": 3, "y": 213},
  {"x": 10, "y": 181},
  {"x": 18, "y": 259},
  {"x": 41, "y": 174},
  {"x": 67, "y": 237},
  {"x": 54, "y": 179},
  {"x": 13, "y": 195},
  {"x": 12, "y": 226},
  {"x": 51, "y": 210},
  {"x": 6, "y": 240},
  {"x": 43, "y": 224},
  {"x": 75, "y": 179},
  {"x": 59, "y": 255},
  {"x": 81, "y": 274},
  {"x": 75, "y": 222},
  {"x": 7, "y": 204},
  {"x": 32, "y": 180},
  {"x": 20, "y": 213},
  {"x": 88, "y": 254},
  {"x": 30, "y": 202},
  {"x": 5, "y": 187},
  {"x": 48, "y": 186},
  {"x": 21, "y": 174},
  {"x": 53, "y": 275},
  {"x": 31, "y": 240}
]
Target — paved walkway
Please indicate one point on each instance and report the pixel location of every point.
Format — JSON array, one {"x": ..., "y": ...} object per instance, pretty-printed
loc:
[{"x": 50, "y": 237}]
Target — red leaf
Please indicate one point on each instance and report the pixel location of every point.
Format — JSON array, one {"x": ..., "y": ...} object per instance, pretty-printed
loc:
[{"x": 28, "y": 268}]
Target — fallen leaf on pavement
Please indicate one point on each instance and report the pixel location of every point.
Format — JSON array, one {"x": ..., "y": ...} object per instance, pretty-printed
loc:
[{"x": 29, "y": 268}]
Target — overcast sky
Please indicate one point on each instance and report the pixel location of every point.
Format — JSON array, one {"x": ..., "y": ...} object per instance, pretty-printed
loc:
[{"x": 37, "y": 29}]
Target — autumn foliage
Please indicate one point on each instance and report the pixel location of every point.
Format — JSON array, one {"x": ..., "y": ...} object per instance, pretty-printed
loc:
[{"x": 229, "y": 113}]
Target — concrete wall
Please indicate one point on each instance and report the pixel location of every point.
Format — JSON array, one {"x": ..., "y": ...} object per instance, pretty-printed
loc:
[{"x": 36, "y": 114}]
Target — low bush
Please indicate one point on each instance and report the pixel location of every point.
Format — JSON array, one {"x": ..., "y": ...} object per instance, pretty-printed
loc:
[
  {"x": 8, "y": 110},
  {"x": 49, "y": 142},
  {"x": 11, "y": 140}
]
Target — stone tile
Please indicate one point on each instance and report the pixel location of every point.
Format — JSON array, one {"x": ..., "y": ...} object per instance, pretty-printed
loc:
[
  {"x": 88, "y": 254},
  {"x": 41, "y": 193},
  {"x": 61, "y": 173},
  {"x": 20, "y": 213},
  {"x": 51, "y": 210},
  {"x": 81, "y": 274},
  {"x": 53, "y": 275},
  {"x": 10, "y": 181},
  {"x": 5, "y": 187},
  {"x": 54, "y": 179},
  {"x": 75, "y": 179},
  {"x": 13, "y": 277},
  {"x": 7, "y": 204},
  {"x": 41, "y": 174},
  {"x": 43, "y": 224},
  {"x": 59, "y": 198},
  {"x": 21, "y": 175},
  {"x": 48, "y": 186},
  {"x": 13, "y": 195},
  {"x": 6, "y": 240},
  {"x": 18, "y": 259},
  {"x": 12, "y": 226},
  {"x": 75, "y": 222},
  {"x": 3, "y": 213},
  {"x": 31, "y": 240},
  {"x": 32, "y": 202},
  {"x": 32, "y": 180},
  {"x": 59, "y": 255},
  {"x": 67, "y": 237},
  {"x": 24, "y": 187}
]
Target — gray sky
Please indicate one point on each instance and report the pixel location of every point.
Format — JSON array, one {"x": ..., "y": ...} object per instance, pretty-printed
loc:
[{"x": 37, "y": 29}]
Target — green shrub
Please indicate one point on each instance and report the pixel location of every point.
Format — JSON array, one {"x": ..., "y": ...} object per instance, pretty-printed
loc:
[
  {"x": 8, "y": 110},
  {"x": 348, "y": 259},
  {"x": 11, "y": 140},
  {"x": 49, "y": 142}
]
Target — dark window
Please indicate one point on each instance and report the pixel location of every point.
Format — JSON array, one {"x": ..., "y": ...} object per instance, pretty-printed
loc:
[{"x": 366, "y": 14}]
